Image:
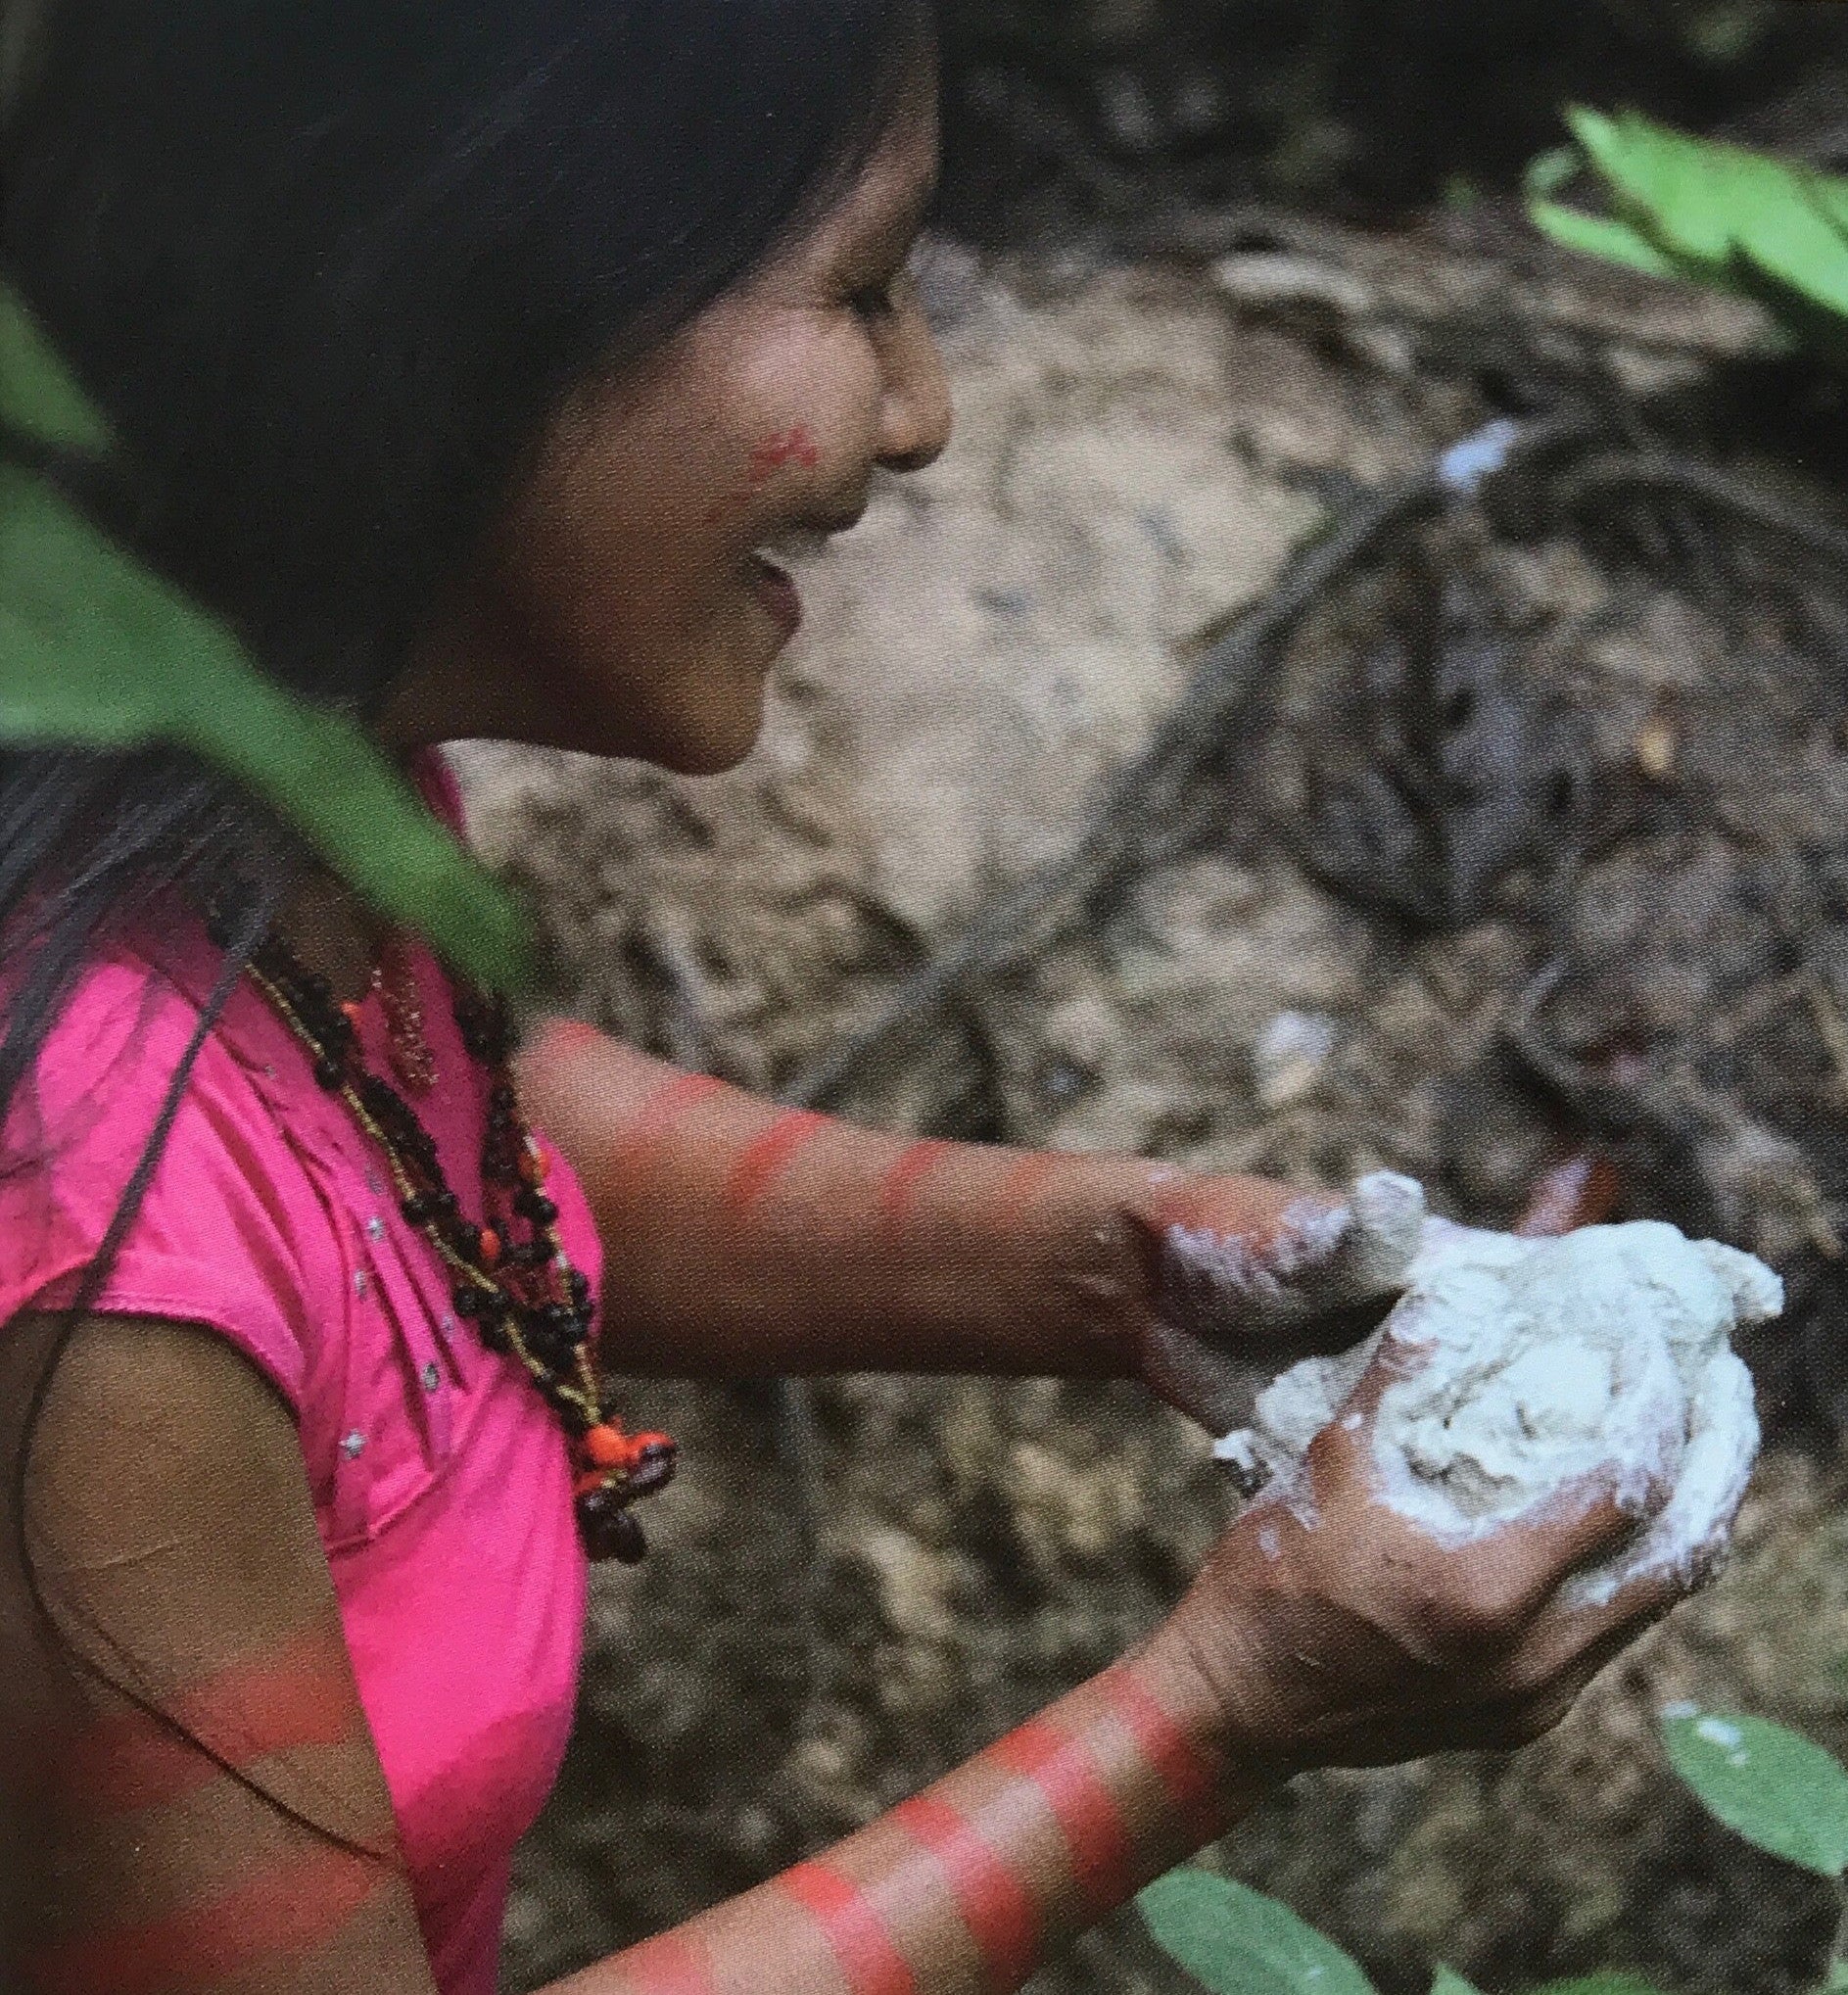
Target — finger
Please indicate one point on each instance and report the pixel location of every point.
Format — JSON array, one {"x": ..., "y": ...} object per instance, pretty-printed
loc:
[
  {"x": 1208, "y": 1386},
  {"x": 1317, "y": 1258},
  {"x": 1498, "y": 1587},
  {"x": 1566, "y": 1630},
  {"x": 1582, "y": 1523},
  {"x": 1344, "y": 1447},
  {"x": 1398, "y": 1359},
  {"x": 1583, "y": 1189},
  {"x": 1558, "y": 1683}
]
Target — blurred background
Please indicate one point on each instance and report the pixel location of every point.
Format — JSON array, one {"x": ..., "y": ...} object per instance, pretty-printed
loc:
[
  {"x": 1139, "y": 111},
  {"x": 1210, "y": 758}
]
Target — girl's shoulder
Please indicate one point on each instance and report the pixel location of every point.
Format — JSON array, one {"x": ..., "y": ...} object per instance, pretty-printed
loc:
[{"x": 228, "y": 1225}]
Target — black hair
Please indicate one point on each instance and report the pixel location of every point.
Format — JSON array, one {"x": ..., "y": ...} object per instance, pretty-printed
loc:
[{"x": 327, "y": 268}]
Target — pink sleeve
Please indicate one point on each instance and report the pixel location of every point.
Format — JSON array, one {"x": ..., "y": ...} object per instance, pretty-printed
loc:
[{"x": 218, "y": 1239}]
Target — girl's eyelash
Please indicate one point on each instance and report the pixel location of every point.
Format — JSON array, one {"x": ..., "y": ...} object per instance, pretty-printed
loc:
[{"x": 872, "y": 300}]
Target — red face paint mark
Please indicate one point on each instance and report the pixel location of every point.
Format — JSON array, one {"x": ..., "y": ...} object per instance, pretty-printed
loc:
[
  {"x": 1097, "y": 1838},
  {"x": 857, "y": 1936},
  {"x": 673, "y": 1964},
  {"x": 283, "y": 1913},
  {"x": 300, "y": 1696},
  {"x": 777, "y": 453},
  {"x": 760, "y": 1160},
  {"x": 996, "y": 1906},
  {"x": 1185, "y": 1772},
  {"x": 901, "y": 1182}
]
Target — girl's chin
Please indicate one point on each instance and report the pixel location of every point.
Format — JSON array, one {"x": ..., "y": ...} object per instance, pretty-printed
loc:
[{"x": 712, "y": 737}]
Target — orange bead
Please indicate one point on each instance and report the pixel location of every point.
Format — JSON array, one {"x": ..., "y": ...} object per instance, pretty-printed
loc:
[
  {"x": 535, "y": 1166},
  {"x": 351, "y": 1013},
  {"x": 607, "y": 1446},
  {"x": 593, "y": 1479},
  {"x": 489, "y": 1247}
]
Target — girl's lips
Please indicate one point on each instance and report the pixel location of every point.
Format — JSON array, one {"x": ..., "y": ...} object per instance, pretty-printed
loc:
[{"x": 775, "y": 590}]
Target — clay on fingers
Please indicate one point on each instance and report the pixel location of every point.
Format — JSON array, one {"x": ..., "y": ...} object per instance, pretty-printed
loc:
[
  {"x": 1548, "y": 1363},
  {"x": 1320, "y": 1258}
]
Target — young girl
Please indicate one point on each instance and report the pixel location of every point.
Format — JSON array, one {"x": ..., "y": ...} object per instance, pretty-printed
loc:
[{"x": 472, "y": 361}]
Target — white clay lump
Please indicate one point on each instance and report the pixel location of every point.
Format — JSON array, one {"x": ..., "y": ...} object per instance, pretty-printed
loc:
[{"x": 1541, "y": 1363}]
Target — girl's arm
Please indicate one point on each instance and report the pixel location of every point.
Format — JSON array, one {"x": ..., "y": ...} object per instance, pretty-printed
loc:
[
  {"x": 186, "y": 1565},
  {"x": 1324, "y": 1632},
  {"x": 742, "y": 1238}
]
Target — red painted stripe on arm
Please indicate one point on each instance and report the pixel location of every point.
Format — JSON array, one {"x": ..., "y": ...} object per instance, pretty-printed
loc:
[
  {"x": 565, "y": 1033},
  {"x": 998, "y": 1909},
  {"x": 1097, "y": 1837},
  {"x": 761, "y": 1158},
  {"x": 1179, "y": 1764},
  {"x": 279, "y": 1916},
  {"x": 856, "y": 1933},
  {"x": 670, "y": 1963},
  {"x": 901, "y": 1182},
  {"x": 301, "y": 1695}
]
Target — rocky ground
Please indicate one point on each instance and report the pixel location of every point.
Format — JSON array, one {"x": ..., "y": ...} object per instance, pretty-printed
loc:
[{"x": 1525, "y": 846}]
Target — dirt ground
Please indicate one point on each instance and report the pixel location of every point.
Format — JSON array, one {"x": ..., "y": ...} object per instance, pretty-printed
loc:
[{"x": 1526, "y": 846}]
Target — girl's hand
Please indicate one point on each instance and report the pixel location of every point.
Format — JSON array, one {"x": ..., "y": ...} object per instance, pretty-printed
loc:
[
  {"x": 1244, "y": 1278},
  {"x": 1330, "y": 1631}
]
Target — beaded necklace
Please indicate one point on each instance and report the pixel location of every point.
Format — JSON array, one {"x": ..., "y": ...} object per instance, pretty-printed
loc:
[{"x": 522, "y": 1295}]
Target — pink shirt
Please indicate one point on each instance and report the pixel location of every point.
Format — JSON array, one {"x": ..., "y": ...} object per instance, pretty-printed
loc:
[{"x": 440, "y": 1478}]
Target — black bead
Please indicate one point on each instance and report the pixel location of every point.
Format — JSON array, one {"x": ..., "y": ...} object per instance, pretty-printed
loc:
[
  {"x": 655, "y": 1470},
  {"x": 609, "y": 1532},
  {"x": 327, "y": 1074},
  {"x": 467, "y": 1300},
  {"x": 533, "y": 1205},
  {"x": 555, "y": 1357}
]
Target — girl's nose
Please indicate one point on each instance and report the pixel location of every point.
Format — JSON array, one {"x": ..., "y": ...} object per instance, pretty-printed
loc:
[{"x": 914, "y": 415}]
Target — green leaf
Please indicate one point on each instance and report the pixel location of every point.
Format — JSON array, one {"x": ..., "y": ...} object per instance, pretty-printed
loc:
[
  {"x": 1837, "y": 1981},
  {"x": 1449, "y": 1981},
  {"x": 36, "y": 394},
  {"x": 1775, "y": 1789},
  {"x": 1718, "y": 214},
  {"x": 1238, "y": 1942},
  {"x": 1547, "y": 173},
  {"x": 95, "y": 649},
  {"x": 1598, "y": 236},
  {"x": 1693, "y": 197},
  {"x": 1794, "y": 242}
]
